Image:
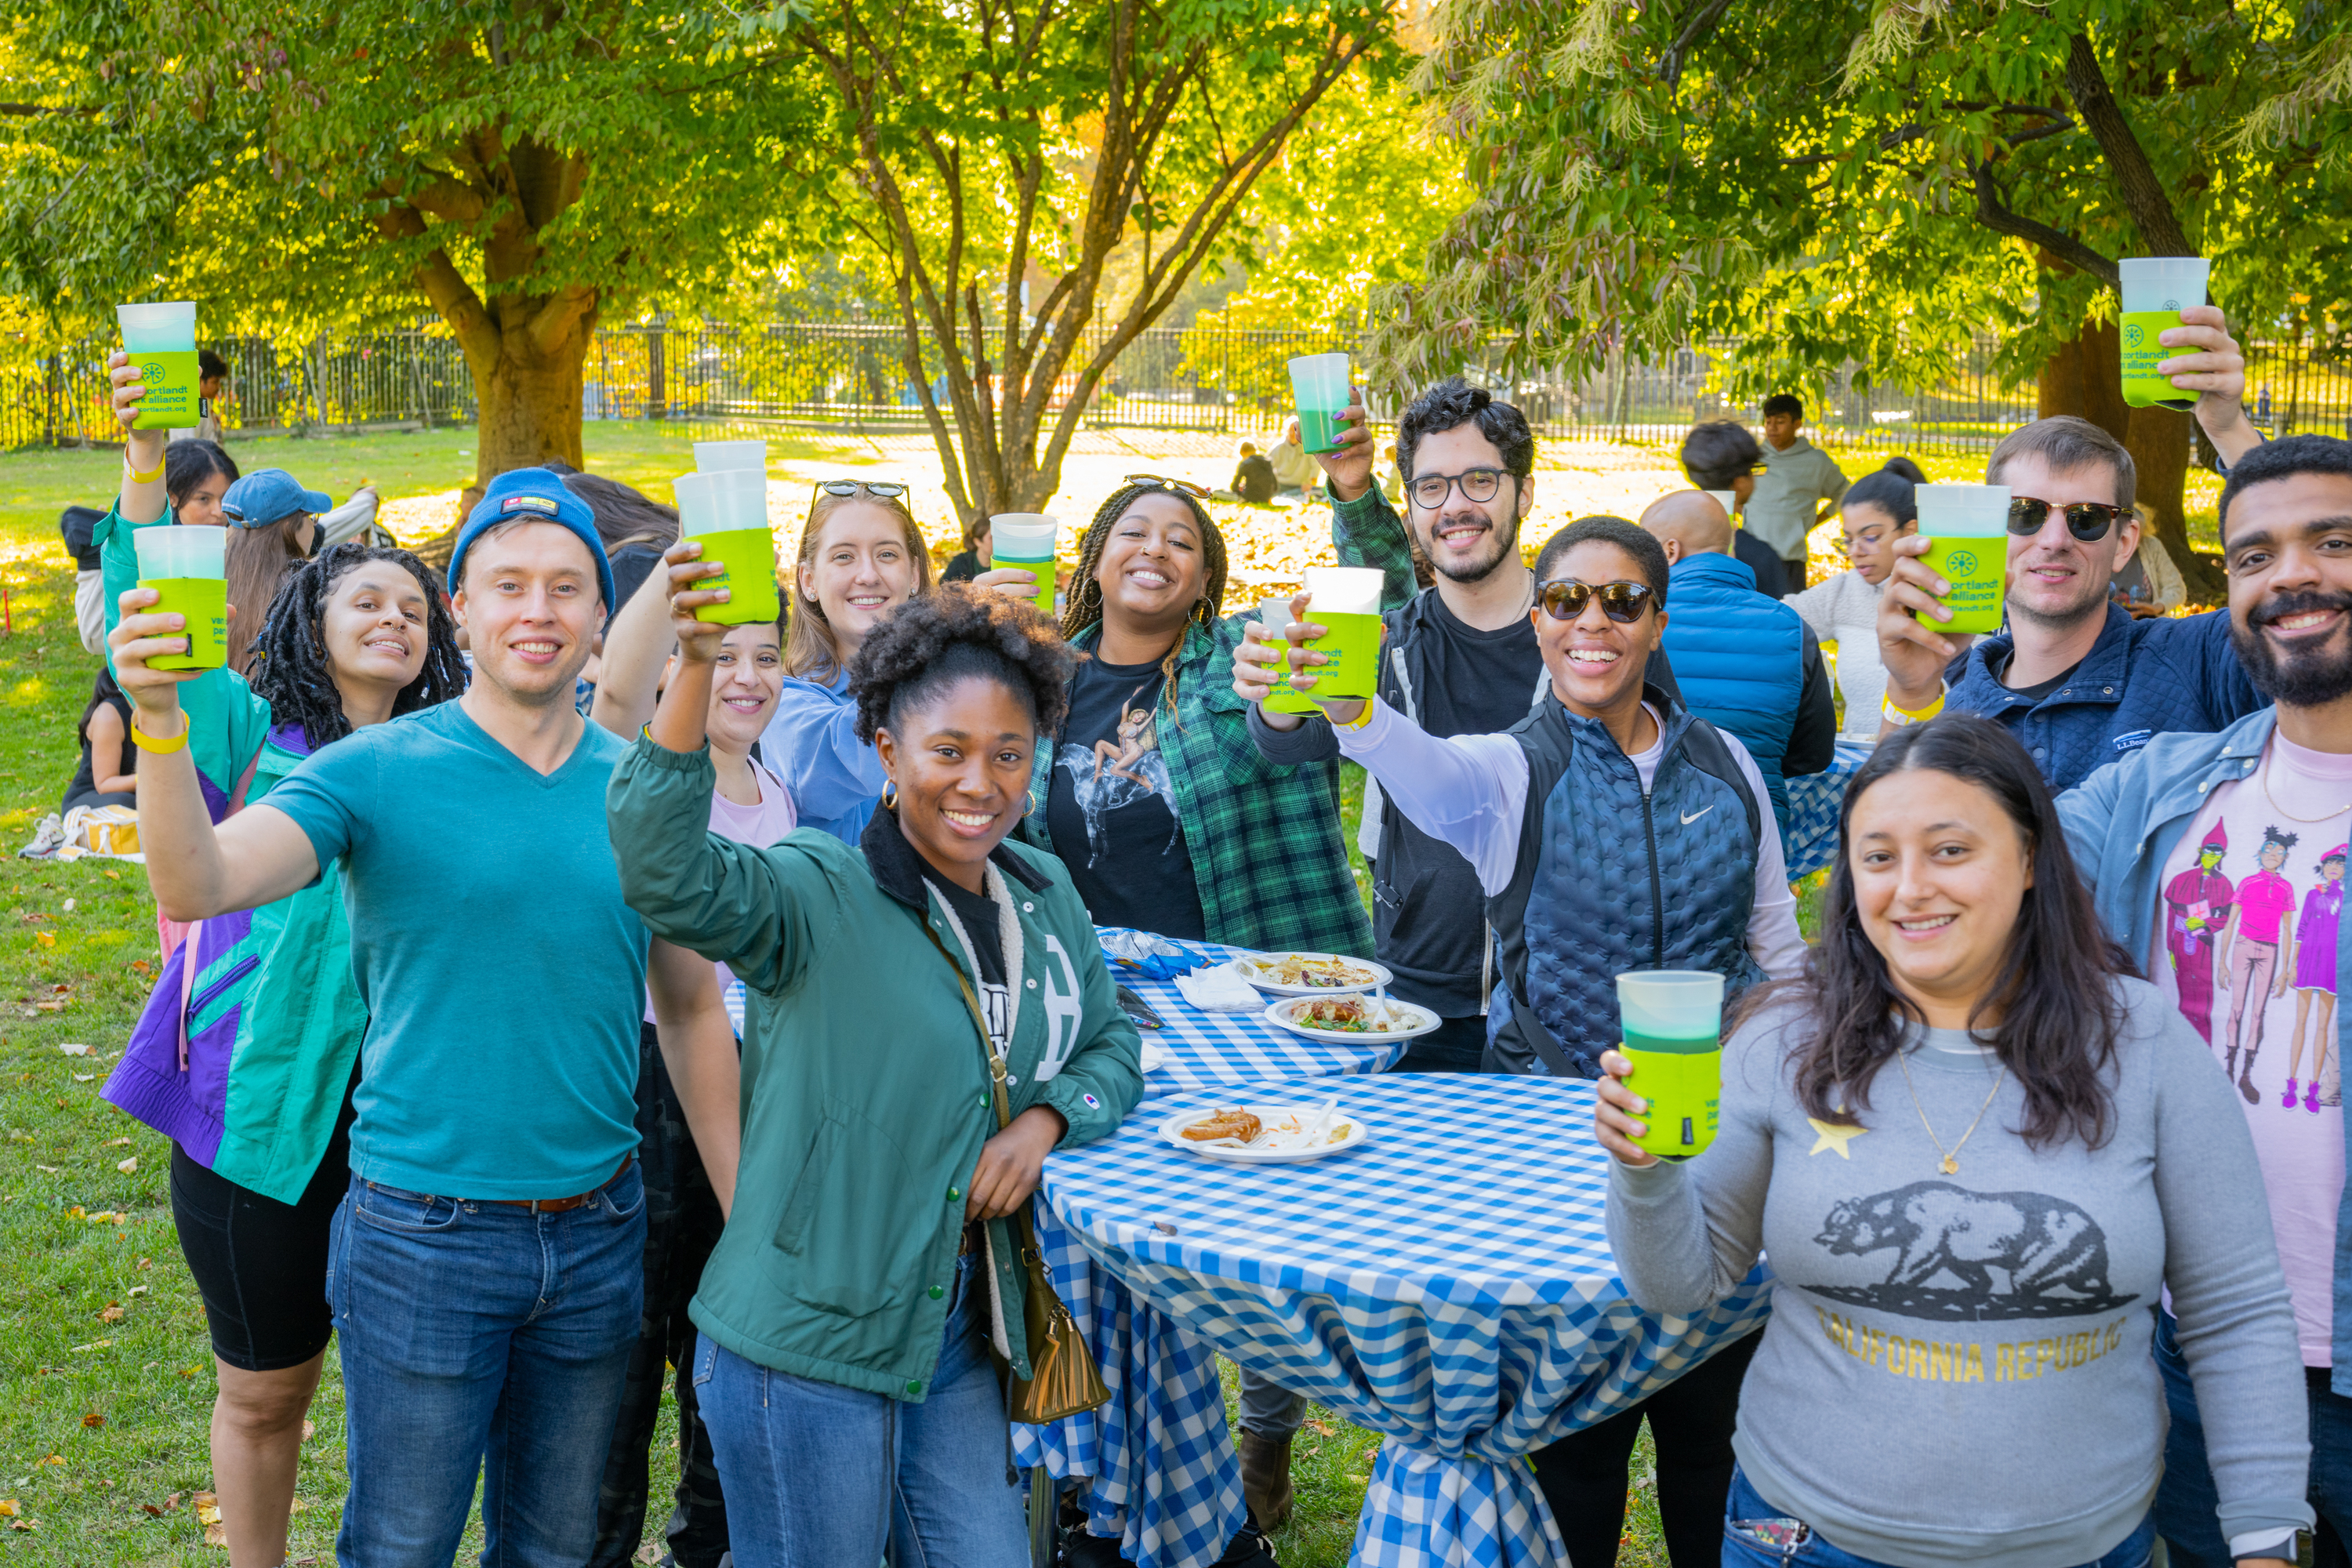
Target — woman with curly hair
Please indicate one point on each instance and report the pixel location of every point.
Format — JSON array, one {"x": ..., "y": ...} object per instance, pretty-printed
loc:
[
  {"x": 247, "y": 1054},
  {"x": 929, "y": 1015}
]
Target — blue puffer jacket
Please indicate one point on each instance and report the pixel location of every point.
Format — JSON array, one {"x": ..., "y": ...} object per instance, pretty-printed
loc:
[
  {"x": 2141, "y": 680},
  {"x": 1609, "y": 880},
  {"x": 1739, "y": 657}
]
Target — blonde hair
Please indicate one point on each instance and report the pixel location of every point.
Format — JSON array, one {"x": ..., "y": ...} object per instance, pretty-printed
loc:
[{"x": 811, "y": 651}]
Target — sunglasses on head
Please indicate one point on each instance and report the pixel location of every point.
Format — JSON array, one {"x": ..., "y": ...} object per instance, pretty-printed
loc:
[
  {"x": 2087, "y": 521},
  {"x": 1154, "y": 481},
  {"x": 882, "y": 488},
  {"x": 1565, "y": 599}
]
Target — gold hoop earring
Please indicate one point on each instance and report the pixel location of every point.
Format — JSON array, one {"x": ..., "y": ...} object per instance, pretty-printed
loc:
[
  {"x": 1033, "y": 802},
  {"x": 889, "y": 795}
]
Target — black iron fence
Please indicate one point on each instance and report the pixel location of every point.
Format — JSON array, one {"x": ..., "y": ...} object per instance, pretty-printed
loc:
[{"x": 1209, "y": 378}]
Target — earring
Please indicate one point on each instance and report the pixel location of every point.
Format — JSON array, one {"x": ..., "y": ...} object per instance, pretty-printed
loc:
[
  {"x": 889, "y": 795},
  {"x": 1033, "y": 802}
]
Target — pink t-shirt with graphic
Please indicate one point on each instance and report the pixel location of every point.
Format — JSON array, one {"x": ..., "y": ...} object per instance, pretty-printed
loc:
[
  {"x": 759, "y": 825},
  {"x": 2266, "y": 1009}
]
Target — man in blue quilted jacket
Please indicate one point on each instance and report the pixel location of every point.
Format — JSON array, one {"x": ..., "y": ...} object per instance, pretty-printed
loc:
[{"x": 2077, "y": 680}]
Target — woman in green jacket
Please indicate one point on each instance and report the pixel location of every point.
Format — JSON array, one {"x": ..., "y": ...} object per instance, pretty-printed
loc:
[{"x": 865, "y": 1280}]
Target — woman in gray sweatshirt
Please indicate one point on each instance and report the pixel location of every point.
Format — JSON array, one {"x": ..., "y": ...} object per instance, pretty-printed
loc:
[{"x": 1978, "y": 1154}]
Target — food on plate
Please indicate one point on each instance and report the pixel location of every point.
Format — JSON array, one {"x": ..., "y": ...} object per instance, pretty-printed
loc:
[
  {"x": 1349, "y": 1015},
  {"x": 1236, "y": 1123},
  {"x": 1306, "y": 969}
]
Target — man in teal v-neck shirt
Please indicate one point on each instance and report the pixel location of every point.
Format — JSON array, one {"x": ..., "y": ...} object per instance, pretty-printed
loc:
[{"x": 485, "y": 1271}]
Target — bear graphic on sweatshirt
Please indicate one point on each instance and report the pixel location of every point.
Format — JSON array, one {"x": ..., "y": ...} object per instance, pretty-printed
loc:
[{"x": 1961, "y": 1257}]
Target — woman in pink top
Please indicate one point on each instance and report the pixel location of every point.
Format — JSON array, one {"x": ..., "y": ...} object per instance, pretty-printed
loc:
[
  {"x": 750, "y": 806},
  {"x": 2256, "y": 958}
]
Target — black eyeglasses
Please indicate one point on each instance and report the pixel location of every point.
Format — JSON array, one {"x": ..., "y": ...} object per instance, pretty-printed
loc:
[
  {"x": 1430, "y": 490},
  {"x": 1153, "y": 481},
  {"x": 1621, "y": 602},
  {"x": 882, "y": 488},
  {"x": 2087, "y": 521}
]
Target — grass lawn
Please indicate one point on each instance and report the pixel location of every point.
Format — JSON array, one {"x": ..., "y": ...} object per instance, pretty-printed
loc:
[{"x": 104, "y": 1363}]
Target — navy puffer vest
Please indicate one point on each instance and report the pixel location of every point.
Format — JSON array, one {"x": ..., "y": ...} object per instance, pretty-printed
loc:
[
  {"x": 1739, "y": 657},
  {"x": 1608, "y": 880}
]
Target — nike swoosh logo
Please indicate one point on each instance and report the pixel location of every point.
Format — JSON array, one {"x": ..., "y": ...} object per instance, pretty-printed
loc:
[{"x": 1694, "y": 815}]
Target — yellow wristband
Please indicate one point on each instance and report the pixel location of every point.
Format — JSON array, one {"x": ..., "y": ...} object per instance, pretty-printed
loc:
[
  {"x": 1361, "y": 719},
  {"x": 139, "y": 739},
  {"x": 139, "y": 478},
  {"x": 1903, "y": 718}
]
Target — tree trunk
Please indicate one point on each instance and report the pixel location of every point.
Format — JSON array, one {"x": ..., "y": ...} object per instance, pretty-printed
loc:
[
  {"x": 530, "y": 406},
  {"x": 2085, "y": 378}
]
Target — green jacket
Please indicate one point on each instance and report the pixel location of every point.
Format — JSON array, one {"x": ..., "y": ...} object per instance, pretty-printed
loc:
[
  {"x": 866, "y": 1091},
  {"x": 1264, "y": 839}
]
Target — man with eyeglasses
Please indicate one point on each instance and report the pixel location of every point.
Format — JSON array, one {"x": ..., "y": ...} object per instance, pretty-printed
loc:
[{"x": 2078, "y": 680}]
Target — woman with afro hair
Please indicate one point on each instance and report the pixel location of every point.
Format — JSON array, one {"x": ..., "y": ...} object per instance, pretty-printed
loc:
[
  {"x": 247, "y": 1054},
  {"x": 927, "y": 1016}
]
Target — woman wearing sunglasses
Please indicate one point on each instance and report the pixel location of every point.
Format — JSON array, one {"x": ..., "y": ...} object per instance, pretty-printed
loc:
[{"x": 1611, "y": 830}]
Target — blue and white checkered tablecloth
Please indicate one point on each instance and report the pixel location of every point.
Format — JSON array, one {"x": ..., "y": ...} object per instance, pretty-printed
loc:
[
  {"x": 1449, "y": 1286},
  {"x": 1814, "y": 802},
  {"x": 1165, "y": 1480}
]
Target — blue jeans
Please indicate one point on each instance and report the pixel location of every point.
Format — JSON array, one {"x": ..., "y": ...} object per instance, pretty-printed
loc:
[
  {"x": 819, "y": 1476},
  {"x": 2186, "y": 1503},
  {"x": 1757, "y": 1535},
  {"x": 474, "y": 1332}
]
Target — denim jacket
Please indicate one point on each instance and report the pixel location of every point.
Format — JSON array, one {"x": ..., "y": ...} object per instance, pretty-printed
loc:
[{"x": 2123, "y": 824}]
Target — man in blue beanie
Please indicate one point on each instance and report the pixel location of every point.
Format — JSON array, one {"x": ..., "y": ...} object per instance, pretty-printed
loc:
[{"x": 486, "y": 1274}]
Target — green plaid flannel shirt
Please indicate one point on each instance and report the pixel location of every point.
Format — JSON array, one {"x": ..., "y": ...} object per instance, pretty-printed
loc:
[
  {"x": 1367, "y": 532},
  {"x": 1266, "y": 841}
]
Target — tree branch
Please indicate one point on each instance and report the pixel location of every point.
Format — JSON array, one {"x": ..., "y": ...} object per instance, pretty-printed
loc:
[
  {"x": 1995, "y": 215},
  {"x": 551, "y": 322},
  {"x": 1695, "y": 31},
  {"x": 2143, "y": 193},
  {"x": 446, "y": 288}
]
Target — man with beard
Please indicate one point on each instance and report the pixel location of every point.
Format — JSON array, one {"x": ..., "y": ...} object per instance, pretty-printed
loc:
[
  {"x": 2075, "y": 678},
  {"x": 2138, "y": 826}
]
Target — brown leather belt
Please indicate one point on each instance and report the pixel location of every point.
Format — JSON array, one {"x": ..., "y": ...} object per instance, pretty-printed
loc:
[{"x": 563, "y": 1205}]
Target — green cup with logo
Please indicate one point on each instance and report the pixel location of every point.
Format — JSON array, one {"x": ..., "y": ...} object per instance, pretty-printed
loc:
[
  {"x": 1345, "y": 601},
  {"x": 1967, "y": 529},
  {"x": 2155, "y": 290},
  {"x": 1672, "y": 1025},
  {"x": 160, "y": 337},
  {"x": 1319, "y": 388},
  {"x": 1027, "y": 540},
  {"x": 727, "y": 514},
  {"x": 187, "y": 565}
]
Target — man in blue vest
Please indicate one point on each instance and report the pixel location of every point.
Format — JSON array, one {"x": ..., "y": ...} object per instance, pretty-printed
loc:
[{"x": 1747, "y": 663}]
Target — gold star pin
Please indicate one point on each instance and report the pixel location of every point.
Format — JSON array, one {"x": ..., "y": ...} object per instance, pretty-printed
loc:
[{"x": 1830, "y": 1135}]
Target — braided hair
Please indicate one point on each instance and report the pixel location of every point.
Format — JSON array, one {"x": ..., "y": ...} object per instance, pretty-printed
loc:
[
  {"x": 291, "y": 670},
  {"x": 929, "y": 643},
  {"x": 1086, "y": 606}
]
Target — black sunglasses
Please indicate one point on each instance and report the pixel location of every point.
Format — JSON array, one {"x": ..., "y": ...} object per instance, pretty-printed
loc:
[
  {"x": 882, "y": 488},
  {"x": 2087, "y": 521},
  {"x": 1153, "y": 481},
  {"x": 1621, "y": 602}
]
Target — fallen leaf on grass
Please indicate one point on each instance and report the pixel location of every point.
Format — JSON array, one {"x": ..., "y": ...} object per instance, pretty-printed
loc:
[
  {"x": 93, "y": 1420},
  {"x": 55, "y": 1460},
  {"x": 114, "y": 1314},
  {"x": 76, "y": 1051},
  {"x": 208, "y": 1515},
  {"x": 7, "y": 1508},
  {"x": 114, "y": 876},
  {"x": 150, "y": 1510},
  {"x": 68, "y": 906},
  {"x": 140, "y": 1289},
  {"x": 127, "y": 1166},
  {"x": 84, "y": 1076},
  {"x": 24, "y": 1524},
  {"x": 117, "y": 1143},
  {"x": 76, "y": 1350},
  {"x": 52, "y": 1170},
  {"x": 46, "y": 937},
  {"x": 308, "y": 1427}
]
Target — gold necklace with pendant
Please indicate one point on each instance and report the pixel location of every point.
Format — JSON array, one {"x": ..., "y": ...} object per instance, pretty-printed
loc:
[{"x": 1951, "y": 1161}]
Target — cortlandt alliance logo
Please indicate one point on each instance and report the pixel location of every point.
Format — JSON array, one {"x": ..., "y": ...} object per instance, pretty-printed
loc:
[
  {"x": 154, "y": 375},
  {"x": 1962, "y": 561},
  {"x": 2134, "y": 334}
]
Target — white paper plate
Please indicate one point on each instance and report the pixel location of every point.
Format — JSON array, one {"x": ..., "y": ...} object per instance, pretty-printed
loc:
[
  {"x": 1271, "y": 1116},
  {"x": 1246, "y": 967},
  {"x": 1423, "y": 1021}
]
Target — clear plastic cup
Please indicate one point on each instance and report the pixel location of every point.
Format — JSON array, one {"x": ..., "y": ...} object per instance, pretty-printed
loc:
[
  {"x": 1319, "y": 386},
  {"x": 160, "y": 336},
  {"x": 1672, "y": 1023},
  {"x": 1727, "y": 500},
  {"x": 1027, "y": 540},
  {"x": 1967, "y": 529},
  {"x": 726, "y": 512},
  {"x": 1275, "y": 615},
  {"x": 187, "y": 565},
  {"x": 2155, "y": 290},
  {"x": 724, "y": 457}
]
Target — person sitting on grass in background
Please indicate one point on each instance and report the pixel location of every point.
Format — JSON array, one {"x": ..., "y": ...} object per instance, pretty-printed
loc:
[
  {"x": 489, "y": 1249},
  {"x": 2148, "y": 584},
  {"x": 2169, "y": 838},
  {"x": 1721, "y": 455},
  {"x": 1968, "y": 1078},
  {"x": 1746, "y": 664},
  {"x": 977, "y": 555},
  {"x": 873, "y": 1368},
  {"x": 1254, "y": 477},
  {"x": 109, "y": 771},
  {"x": 1610, "y": 830},
  {"x": 2074, "y": 676},
  {"x": 247, "y": 1051},
  {"x": 1295, "y": 470},
  {"x": 1797, "y": 491},
  {"x": 748, "y": 804}
]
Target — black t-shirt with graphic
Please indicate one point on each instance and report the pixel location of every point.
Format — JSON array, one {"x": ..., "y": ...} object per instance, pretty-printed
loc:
[{"x": 1112, "y": 812}]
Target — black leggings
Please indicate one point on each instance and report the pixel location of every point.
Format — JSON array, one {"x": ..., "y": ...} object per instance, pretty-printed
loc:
[{"x": 1691, "y": 1420}]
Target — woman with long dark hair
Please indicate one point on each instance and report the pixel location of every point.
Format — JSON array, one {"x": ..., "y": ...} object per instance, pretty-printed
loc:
[
  {"x": 246, "y": 1054},
  {"x": 1978, "y": 1150}
]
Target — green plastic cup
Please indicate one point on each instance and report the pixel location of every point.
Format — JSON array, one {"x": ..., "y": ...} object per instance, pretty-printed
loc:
[
  {"x": 1673, "y": 1025},
  {"x": 160, "y": 338},
  {"x": 1319, "y": 386},
  {"x": 727, "y": 514},
  {"x": 2155, "y": 290},
  {"x": 1967, "y": 528},
  {"x": 1026, "y": 540},
  {"x": 188, "y": 566},
  {"x": 1345, "y": 601}
]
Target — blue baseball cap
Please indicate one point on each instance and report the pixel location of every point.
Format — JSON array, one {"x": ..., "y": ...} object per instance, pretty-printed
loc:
[
  {"x": 533, "y": 495},
  {"x": 268, "y": 496}
]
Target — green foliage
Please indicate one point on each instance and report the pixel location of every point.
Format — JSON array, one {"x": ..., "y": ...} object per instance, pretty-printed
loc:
[{"x": 1868, "y": 181}]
